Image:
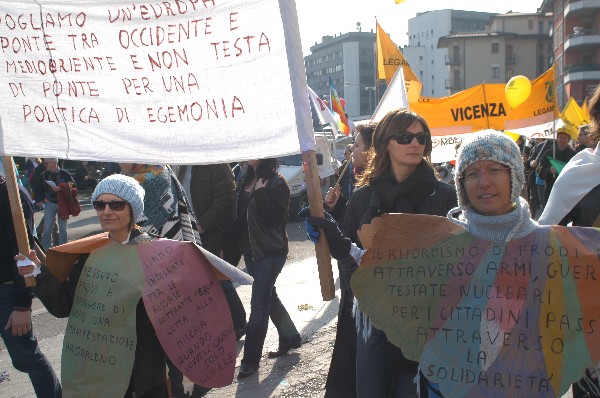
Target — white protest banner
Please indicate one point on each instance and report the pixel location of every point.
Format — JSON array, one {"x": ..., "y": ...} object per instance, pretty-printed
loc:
[{"x": 176, "y": 81}]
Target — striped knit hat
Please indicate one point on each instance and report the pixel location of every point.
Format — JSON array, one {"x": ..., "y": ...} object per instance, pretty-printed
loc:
[{"x": 490, "y": 145}]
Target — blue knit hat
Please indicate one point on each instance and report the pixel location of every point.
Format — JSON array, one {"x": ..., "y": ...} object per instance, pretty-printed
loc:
[
  {"x": 490, "y": 145},
  {"x": 125, "y": 188}
]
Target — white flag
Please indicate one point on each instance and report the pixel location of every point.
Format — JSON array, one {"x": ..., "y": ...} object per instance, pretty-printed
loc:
[
  {"x": 323, "y": 112},
  {"x": 393, "y": 98}
]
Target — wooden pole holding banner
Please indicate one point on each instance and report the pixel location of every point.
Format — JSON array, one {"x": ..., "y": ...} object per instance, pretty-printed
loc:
[
  {"x": 315, "y": 201},
  {"x": 17, "y": 211}
]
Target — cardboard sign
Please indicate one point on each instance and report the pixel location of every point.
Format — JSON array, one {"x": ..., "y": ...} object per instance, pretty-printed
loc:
[
  {"x": 484, "y": 319},
  {"x": 100, "y": 339},
  {"x": 188, "y": 309}
]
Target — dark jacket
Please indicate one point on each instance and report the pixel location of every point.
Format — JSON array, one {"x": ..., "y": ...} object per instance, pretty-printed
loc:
[
  {"x": 544, "y": 169},
  {"x": 586, "y": 211},
  {"x": 42, "y": 189},
  {"x": 149, "y": 363},
  {"x": 213, "y": 196},
  {"x": 9, "y": 248},
  {"x": 267, "y": 217}
]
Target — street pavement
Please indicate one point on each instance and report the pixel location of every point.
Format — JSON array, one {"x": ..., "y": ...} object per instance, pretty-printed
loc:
[{"x": 302, "y": 373}]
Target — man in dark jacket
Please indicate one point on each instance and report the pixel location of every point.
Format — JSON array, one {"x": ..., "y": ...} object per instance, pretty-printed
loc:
[
  {"x": 563, "y": 153},
  {"x": 47, "y": 191},
  {"x": 15, "y": 304},
  {"x": 211, "y": 191}
]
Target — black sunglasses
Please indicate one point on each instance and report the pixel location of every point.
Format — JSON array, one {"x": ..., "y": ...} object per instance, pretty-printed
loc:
[
  {"x": 406, "y": 138},
  {"x": 115, "y": 205}
]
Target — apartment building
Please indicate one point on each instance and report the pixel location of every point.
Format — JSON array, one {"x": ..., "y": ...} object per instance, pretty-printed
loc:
[
  {"x": 512, "y": 44},
  {"x": 349, "y": 59},
  {"x": 576, "y": 47},
  {"x": 422, "y": 53}
]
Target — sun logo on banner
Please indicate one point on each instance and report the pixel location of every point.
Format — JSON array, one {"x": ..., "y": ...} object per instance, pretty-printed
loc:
[{"x": 549, "y": 91}]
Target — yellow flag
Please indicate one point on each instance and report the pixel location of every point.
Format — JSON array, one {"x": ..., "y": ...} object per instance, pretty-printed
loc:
[
  {"x": 399, "y": 1},
  {"x": 573, "y": 117},
  {"x": 389, "y": 58},
  {"x": 584, "y": 108},
  {"x": 539, "y": 108}
]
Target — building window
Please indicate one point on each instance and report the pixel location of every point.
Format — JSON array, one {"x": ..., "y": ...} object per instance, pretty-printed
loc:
[
  {"x": 509, "y": 74},
  {"x": 495, "y": 48},
  {"x": 530, "y": 24},
  {"x": 432, "y": 77},
  {"x": 495, "y": 72},
  {"x": 420, "y": 58},
  {"x": 431, "y": 62}
]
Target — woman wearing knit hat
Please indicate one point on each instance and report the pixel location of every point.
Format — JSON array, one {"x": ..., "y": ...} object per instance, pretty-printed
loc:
[
  {"x": 119, "y": 202},
  {"x": 132, "y": 299},
  {"x": 489, "y": 178}
]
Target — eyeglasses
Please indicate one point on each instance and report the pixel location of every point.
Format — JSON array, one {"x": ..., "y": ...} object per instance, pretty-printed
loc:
[
  {"x": 493, "y": 173},
  {"x": 406, "y": 138},
  {"x": 115, "y": 205}
]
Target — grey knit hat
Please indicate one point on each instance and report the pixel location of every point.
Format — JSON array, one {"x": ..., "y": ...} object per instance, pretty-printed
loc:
[
  {"x": 125, "y": 188},
  {"x": 490, "y": 145}
]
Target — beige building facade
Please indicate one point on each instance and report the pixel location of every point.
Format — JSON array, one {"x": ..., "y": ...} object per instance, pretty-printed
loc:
[{"x": 513, "y": 44}]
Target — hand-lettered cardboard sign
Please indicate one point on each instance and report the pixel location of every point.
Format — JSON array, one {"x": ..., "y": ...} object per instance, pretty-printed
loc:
[
  {"x": 184, "y": 302},
  {"x": 497, "y": 320},
  {"x": 164, "y": 82},
  {"x": 188, "y": 309}
]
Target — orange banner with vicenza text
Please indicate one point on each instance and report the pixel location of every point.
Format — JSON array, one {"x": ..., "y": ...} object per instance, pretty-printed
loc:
[{"x": 478, "y": 108}]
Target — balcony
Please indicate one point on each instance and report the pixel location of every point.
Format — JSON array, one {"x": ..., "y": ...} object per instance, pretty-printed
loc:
[
  {"x": 580, "y": 72},
  {"x": 452, "y": 60},
  {"x": 511, "y": 59},
  {"x": 581, "y": 8},
  {"x": 582, "y": 39},
  {"x": 455, "y": 84}
]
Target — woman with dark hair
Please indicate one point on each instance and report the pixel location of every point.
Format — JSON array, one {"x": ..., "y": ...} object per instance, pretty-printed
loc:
[
  {"x": 397, "y": 179},
  {"x": 260, "y": 218}
]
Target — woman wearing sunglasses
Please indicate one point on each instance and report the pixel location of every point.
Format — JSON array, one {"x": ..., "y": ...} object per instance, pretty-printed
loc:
[
  {"x": 119, "y": 202},
  {"x": 397, "y": 179}
]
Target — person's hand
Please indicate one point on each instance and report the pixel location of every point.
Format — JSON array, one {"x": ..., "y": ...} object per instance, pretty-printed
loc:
[
  {"x": 534, "y": 163},
  {"x": 28, "y": 269},
  {"x": 332, "y": 196},
  {"x": 19, "y": 322},
  {"x": 260, "y": 183},
  {"x": 552, "y": 170},
  {"x": 339, "y": 245}
]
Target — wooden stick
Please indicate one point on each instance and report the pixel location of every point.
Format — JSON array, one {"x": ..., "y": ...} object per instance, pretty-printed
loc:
[
  {"x": 315, "y": 201},
  {"x": 17, "y": 211},
  {"x": 337, "y": 184}
]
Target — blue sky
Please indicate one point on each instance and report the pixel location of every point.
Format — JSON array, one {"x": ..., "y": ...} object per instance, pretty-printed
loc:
[{"x": 318, "y": 18}]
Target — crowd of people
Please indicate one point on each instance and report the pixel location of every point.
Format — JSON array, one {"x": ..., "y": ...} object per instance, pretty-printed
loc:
[{"x": 498, "y": 191}]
